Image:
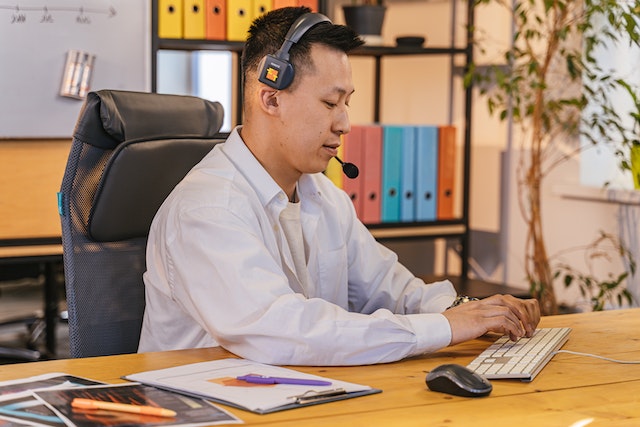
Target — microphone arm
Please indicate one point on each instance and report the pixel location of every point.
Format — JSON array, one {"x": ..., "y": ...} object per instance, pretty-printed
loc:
[{"x": 349, "y": 169}]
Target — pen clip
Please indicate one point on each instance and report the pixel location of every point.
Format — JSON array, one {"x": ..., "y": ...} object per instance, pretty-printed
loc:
[{"x": 315, "y": 396}]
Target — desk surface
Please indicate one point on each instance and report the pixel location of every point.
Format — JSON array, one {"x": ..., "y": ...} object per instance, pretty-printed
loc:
[{"x": 569, "y": 391}]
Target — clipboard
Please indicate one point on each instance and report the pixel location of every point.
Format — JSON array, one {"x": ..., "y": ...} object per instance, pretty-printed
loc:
[{"x": 217, "y": 381}]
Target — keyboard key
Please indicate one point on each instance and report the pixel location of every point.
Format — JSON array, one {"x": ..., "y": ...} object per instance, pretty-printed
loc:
[{"x": 522, "y": 359}]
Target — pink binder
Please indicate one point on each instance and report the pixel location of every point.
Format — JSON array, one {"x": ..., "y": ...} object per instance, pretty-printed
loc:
[
  {"x": 371, "y": 168},
  {"x": 352, "y": 144}
]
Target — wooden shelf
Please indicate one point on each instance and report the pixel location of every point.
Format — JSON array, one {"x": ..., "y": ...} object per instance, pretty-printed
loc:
[{"x": 459, "y": 228}]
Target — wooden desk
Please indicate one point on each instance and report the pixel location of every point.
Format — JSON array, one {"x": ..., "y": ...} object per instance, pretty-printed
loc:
[{"x": 569, "y": 390}]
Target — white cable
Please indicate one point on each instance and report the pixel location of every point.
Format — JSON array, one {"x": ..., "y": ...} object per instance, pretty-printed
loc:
[{"x": 577, "y": 353}]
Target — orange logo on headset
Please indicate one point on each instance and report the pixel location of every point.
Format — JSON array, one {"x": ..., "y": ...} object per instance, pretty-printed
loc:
[{"x": 272, "y": 74}]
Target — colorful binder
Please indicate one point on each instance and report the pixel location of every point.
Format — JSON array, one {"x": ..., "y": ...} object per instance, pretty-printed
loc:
[
  {"x": 446, "y": 171},
  {"x": 260, "y": 7},
  {"x": 170, "y": 19},
  {"x": 193, "y": 19},
  {"x": 352, "y": 148},
  {"x": 311, "y": 4},
  {"x": 408, "y": 175},
  {"x": 334, "y": 170},
  {"x": 277, "y": 4},
  {"x": 215, "y": 19},
  {"x": 239, "y": 17},
  {"x": 371, "y": 170},
  {"x": 426, "y": 172},
  {"x": 391, "y": 173}
]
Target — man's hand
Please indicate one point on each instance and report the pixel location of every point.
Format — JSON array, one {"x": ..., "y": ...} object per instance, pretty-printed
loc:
[{"x": 503, "y": 314}]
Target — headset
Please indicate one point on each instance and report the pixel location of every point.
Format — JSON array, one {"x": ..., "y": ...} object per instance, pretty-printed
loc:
[{"x": 276, "y": 71}]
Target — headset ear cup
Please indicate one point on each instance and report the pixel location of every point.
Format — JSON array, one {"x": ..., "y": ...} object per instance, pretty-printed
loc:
[{"x": 275, "y": 72}]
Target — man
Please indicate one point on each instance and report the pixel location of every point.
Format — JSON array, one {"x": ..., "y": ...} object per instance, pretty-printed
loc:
[{"x": 257, "y": 251}]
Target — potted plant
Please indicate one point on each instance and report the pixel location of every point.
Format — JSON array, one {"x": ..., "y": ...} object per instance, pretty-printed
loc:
[
  {"x": 597, "y": 289},
  {"x": 549, "y": 79},
  {"x": 366, "y": 17}
]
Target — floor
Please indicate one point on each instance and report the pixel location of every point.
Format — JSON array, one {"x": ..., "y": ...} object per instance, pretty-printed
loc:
[{"x": 21, "y": 308}]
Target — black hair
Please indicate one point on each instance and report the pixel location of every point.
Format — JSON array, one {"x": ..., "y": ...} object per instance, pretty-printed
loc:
[{"x": 268, "y": 31}]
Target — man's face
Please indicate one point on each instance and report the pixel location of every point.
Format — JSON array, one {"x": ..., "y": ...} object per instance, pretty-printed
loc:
[{"x": 314, "y": 113}]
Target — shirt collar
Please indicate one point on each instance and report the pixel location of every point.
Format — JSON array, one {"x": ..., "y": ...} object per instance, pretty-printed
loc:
[{"x": 265, "y": 186}]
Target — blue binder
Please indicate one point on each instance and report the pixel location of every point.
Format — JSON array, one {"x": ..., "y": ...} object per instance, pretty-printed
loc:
[
  {"x": 426, "y": 172},
  {"x": 391, "y": 173},
  {"x": 408, "y": 178}
]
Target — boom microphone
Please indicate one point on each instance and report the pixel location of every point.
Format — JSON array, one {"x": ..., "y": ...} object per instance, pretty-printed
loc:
[{"x": 349, "y": 169}]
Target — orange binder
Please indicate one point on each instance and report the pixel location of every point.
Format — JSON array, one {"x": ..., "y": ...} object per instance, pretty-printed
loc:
[
  {"x": 260, "y": 7},
  {"x": 446, "y": 171},
  {"x": 193, "y": 19},
  {"x": 371, "y": 169},
  {"x": 311, "y": 4},
  {"x": 170, "y": 19},
  {"x": 215, "y": 20},
  {"x": 353, "y": 154},
  {"x": 277, "y": 4},
  {"x": 239, "y": 17}
]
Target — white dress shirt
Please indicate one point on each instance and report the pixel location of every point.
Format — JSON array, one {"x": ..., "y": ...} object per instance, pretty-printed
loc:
[{"x": 218, "y": 273}]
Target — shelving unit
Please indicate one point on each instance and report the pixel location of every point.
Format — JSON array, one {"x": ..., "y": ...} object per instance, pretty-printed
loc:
[{"x": 449, "y": 229}]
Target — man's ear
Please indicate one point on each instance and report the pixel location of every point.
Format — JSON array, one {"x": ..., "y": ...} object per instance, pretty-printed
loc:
[{"x": 269, "y": 101}]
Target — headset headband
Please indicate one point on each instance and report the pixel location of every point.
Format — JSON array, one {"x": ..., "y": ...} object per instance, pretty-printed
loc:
[{"x": 301, "y": 25}]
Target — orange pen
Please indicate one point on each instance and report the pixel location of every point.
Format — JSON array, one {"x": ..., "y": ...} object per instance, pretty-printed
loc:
[{"x": 121, "y": 407}]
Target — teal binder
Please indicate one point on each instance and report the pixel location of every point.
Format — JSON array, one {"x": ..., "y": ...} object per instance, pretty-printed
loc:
[
  {"x": 408, "y": 178},
  {"x": 426, "y": 172},
  {"x": 391, "y": 173}
]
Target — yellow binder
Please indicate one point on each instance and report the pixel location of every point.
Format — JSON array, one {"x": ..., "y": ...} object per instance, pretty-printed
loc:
[
  {"x": 239, "y": 17},
  {"x": 260, "y": 7},
  {"x": 170, "y": 19},
  {"x": 194, "y": 20}
]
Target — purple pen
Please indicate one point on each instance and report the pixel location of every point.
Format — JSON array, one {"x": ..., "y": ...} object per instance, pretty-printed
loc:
[{"x": 262, "y": 379}]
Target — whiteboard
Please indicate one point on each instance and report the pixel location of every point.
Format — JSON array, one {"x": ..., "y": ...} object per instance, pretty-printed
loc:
[{"x": 35, "y": 36}]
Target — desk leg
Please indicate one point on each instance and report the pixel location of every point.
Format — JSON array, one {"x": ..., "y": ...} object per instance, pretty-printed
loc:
[{"x": 50, "y": 306}]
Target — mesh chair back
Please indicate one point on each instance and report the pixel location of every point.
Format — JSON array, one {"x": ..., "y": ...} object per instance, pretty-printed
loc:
[{"x": 129, "y": 150}]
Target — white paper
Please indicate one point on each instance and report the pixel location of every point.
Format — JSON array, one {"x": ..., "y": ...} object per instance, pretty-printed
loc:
[{"x": 206, "y": 379}]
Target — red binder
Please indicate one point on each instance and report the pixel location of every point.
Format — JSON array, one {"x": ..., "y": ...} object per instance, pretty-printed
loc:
[
  {"x": 216, "y": 20},
  {"x": 352, "y": 144},
  {"x": 446, "y": 171},
  {"x": 311, "y": 4},
  {"x": 371, "y": 169},
  {"x": 277, "y": 4}
]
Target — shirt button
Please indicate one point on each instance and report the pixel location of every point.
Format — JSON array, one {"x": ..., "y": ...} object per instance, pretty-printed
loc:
[{"x": 281, "y": 196}]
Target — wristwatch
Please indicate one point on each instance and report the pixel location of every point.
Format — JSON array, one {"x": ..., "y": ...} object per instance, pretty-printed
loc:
[{"x": 461, "y": 299}]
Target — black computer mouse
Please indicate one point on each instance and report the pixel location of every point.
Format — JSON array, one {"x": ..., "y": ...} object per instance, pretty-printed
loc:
[{"x": 458, "y": 380}]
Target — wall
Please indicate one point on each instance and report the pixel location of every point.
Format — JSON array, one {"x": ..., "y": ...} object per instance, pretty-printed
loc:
[
  {"x": 30, "y": 176},
  {"x": 31, "y": 171},
  {"x": 498, "y": 231}
]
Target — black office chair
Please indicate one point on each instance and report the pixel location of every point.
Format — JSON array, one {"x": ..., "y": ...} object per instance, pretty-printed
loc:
[{"x": 129, "y": 150}]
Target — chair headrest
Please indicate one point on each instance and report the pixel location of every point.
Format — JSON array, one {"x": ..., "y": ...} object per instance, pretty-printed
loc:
[
  {"x": 156, "y": 139},
  {"x": 111, "y": 117}
]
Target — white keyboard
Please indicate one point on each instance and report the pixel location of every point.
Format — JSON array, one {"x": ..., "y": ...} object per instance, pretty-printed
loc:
[{"x": 521, "y": 359}]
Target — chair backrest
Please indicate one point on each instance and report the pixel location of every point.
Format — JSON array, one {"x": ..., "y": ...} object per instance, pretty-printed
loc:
[{"x": 129, "y": 150}]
